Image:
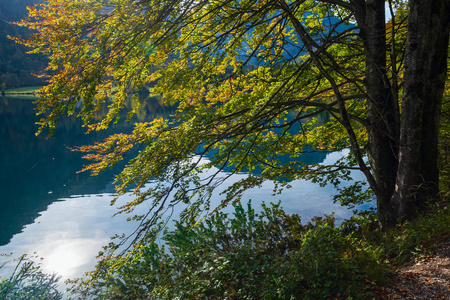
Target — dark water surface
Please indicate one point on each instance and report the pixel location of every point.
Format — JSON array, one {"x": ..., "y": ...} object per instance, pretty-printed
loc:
[{"x": 65, "y": 217}]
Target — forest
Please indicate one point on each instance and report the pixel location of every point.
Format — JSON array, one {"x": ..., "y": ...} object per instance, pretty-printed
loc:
[{"x": 17, "y": 67}]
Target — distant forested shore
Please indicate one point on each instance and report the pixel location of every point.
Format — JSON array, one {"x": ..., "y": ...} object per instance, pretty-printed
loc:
[{"x": 17, "y": 68}]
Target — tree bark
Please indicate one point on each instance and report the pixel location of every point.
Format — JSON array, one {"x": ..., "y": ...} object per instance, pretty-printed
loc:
[
  {"x": 435, "y": 77},
  {"x": 383, "y": 130},
  {"x": 424, "y": 79}
]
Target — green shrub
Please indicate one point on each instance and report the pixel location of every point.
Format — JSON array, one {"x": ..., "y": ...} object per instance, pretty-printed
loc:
[{"x": 266, "y": 255}]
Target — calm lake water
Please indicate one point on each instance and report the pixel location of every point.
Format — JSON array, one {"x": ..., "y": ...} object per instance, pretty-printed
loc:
[{"x": 64, "y": 217}]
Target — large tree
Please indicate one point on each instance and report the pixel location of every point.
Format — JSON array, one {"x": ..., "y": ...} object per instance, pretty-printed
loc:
[{"x": 250, "y": 80}]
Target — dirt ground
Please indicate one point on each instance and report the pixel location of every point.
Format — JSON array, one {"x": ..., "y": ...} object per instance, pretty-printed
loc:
[{"x": 428, "y": 278}]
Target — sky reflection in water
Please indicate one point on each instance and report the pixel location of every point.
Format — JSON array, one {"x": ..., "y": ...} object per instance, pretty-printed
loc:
[
  {"x": 69, "y": 234},
  {"x": 66, "y": 218}
]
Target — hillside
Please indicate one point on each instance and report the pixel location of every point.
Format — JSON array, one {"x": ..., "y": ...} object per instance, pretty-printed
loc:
[{"x": 16, "y": 67}]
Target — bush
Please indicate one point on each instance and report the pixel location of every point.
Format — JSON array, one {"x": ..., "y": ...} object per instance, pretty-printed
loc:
[{"x": 269, "y": 255}]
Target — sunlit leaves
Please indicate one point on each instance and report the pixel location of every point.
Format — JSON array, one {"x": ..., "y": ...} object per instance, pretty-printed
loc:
[{"x": 249, "y": 89}]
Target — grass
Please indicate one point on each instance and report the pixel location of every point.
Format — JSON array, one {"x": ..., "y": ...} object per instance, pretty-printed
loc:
[
  {"x": 415, "y": 239},
  {"x": 23, "y": 90},
  {"x": 27, "y": 97}
]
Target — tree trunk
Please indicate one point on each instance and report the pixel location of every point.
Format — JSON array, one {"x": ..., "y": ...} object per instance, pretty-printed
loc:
[
  {"x": 424, "y": 79},
  {"x": 383, "y": 130},
  {"x": 435, "y": 77}
]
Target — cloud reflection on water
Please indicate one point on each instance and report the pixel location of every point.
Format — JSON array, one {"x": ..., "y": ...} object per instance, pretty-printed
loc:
[{"x": 71, "y": 232}]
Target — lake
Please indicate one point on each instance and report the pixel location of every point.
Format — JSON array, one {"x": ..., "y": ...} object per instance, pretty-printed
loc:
[{"x": 65, "y": 217}]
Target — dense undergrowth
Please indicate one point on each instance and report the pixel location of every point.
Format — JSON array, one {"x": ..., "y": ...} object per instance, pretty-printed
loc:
[
  {"x": 250, "y": 255},
  {"x": 266, "y": 255},
  {"x": 269, "y": 255}
]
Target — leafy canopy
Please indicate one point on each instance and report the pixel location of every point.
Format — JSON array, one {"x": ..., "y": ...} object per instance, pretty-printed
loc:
[{"x": 250, "y": 81}]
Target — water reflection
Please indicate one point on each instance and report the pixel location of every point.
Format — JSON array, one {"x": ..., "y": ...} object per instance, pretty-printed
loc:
[
  {"x": 65, "y": 217},
  {"x": 35, "y": 171},
  {"x": 70, "y": 233}
]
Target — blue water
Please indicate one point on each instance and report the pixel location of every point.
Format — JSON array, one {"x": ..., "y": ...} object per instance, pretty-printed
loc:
[{"x": 66, "y": 218}]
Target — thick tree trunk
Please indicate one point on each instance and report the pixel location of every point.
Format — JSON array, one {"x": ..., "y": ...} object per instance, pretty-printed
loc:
[
  {"x": 435, "y": 77},
  {"x": 424, "y": 78},
  {"x": 383, "y": 130},
  {"x": 403, "y": 153}
]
